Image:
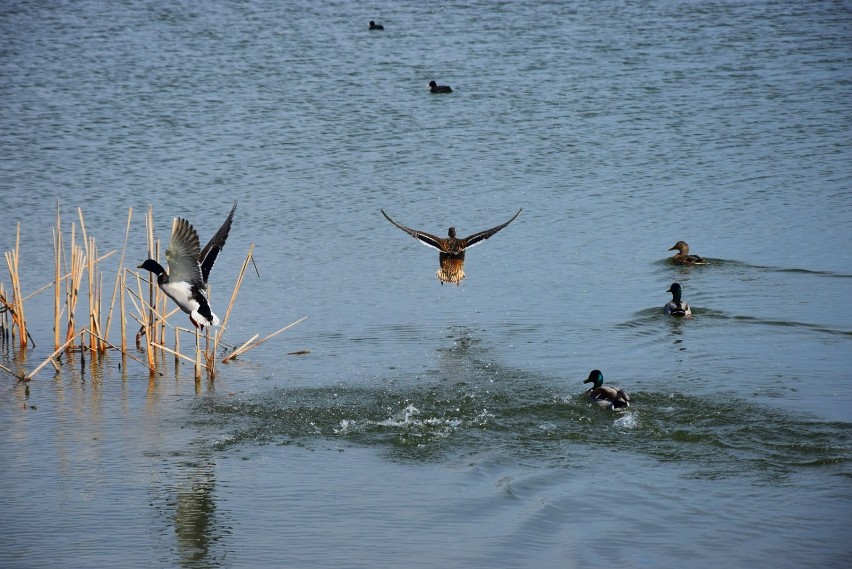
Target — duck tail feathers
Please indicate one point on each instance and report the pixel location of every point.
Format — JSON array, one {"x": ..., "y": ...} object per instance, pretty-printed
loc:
[{"x": 197, "y": 317}]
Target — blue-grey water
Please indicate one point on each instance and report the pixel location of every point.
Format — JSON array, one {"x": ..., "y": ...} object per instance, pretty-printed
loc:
[{"x": 429, "y": 425}]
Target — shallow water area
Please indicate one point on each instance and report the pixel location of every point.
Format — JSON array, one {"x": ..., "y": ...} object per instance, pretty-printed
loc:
[{"x": 405, "y": 422}]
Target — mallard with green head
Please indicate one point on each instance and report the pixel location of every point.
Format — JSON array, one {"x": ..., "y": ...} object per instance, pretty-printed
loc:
[
  {"x": 606, "y": 397},
  {"x": 682, "y": 257},
  {"x": 451, "y": 248},
  {"x": 189, "y": 268},
  {"x": 677, "y": 306}
]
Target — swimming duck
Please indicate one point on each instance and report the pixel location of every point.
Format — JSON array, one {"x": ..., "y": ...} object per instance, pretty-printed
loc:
[
  {"x": 375, "y": 26},
  {"x": 189, "y": 268},
  {"x": 682, "y": 257},
  {"x": 434, "y": 88},
  {"x": 676, "y": 306},
  {"x": 451, "y": 256},
  {"x": 605, "y": 397}
]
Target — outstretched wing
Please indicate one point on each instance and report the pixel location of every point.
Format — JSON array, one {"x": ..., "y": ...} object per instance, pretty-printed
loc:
[
  {"x": 217, "y": 243},
  {"x": 483, "y": 235},
  {"x": 425, "y": 238},
  {"x": 182, "y": 253}
]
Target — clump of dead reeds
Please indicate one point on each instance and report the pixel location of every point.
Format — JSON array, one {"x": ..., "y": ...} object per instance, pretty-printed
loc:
[
  {"x": 77, "y": 266},
  {"x": 15, "y": 306}
]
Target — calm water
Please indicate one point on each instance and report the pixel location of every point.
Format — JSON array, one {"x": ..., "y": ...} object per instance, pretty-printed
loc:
[{"x": 442, "y": 426}]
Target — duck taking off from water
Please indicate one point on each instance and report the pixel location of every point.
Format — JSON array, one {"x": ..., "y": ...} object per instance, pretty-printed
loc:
[
  {"x": 189, "y": 267},
  {"x": 451, "y": 248},
  {"x": 676, "y": 306},
  {"x": 606, "y": 397},
  {"x": 682, "y": 257}
]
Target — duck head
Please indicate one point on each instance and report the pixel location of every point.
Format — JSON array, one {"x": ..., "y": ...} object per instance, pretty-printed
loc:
[
  {"x": 153, "y": 266},
  {"x": 676, "y": 292},
  {"x": 595, "y": 377},
  {"x": 451, "y": 232},
  {"x": 680, "y": 246}
]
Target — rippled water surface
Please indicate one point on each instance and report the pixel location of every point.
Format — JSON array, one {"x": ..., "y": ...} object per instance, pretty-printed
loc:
[{"x": 405, "y": 422}]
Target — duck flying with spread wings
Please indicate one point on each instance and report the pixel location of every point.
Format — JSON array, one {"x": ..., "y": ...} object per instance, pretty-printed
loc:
[
  {"x": 451, "y": 248},
  {"x": 189, "y": 268}
]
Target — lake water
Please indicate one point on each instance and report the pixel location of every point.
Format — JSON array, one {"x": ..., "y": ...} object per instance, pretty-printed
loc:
[{"x": 429, "y": 425}]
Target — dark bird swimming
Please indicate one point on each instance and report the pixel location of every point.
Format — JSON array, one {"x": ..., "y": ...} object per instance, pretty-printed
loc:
[
  {"x": 676, "y": 306},
  {"x": 435, "y": 89}
]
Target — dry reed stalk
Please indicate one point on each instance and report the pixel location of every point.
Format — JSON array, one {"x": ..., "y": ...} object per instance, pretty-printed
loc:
[
  {"x": 197, "y": 357},
  {"x": 17, "y": 304},
  {"x": 152, "y": 370},
  {"x": 63, "y": 277},
  {"x": 244, "y": 348},
  {"x": 4, "y": 368},
  {"x": 91, "y": 253},
  {"x": 237, "y": 285},
  {"x": 146, "y": 324},
  {"x": 4, "y": 315},
  {"x": 71, "y": 289},
  {"x": 177, "y": 342},
  {"x": 50, "y": 358},
  {"x": 149, "y": 233},
  {"x": 175, "y": 353},
  {"x": 209, "y": 355},
  {"x": 118, "y": 281},
  {"x": 89, "y": 266},
  {"x": 122, "y": 308},
  {"x": 57, "y": 286},
  {"x": 240, "y": 349}
]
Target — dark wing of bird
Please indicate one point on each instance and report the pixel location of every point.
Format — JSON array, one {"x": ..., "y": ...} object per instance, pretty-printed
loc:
[
  {"x": 217, "y": 243},
  {"x": 483, "y": 235},
  {"x": 425, "y": 238},
  {"x": 182, "y": 253}
]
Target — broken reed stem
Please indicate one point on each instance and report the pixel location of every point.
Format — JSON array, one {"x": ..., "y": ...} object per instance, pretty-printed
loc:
[
  {"x": 244, "y": 348},
  {"x": 174, "y": 353},
  {"x": 240, "y": 349},
  {"x": 152, "y": 370},
  {"x": 50, "y": 358},
  {"x": 4, "y": 368},
  {"x": 237, "y": 285}
]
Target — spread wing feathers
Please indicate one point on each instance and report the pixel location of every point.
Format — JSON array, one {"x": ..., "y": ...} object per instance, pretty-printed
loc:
[
  {"x": 425, "y": 238},
  {"x": 217, "y": 243},
  {"x": 472, "y": 240},
  {"x": 182, "y": 253}
]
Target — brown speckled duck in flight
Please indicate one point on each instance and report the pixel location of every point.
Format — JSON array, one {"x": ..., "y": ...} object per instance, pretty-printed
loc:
[{"x": 451, "y": 248}]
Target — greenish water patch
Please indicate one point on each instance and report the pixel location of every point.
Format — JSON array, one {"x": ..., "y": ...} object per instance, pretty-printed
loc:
[{"x": 524, "y": 418}]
